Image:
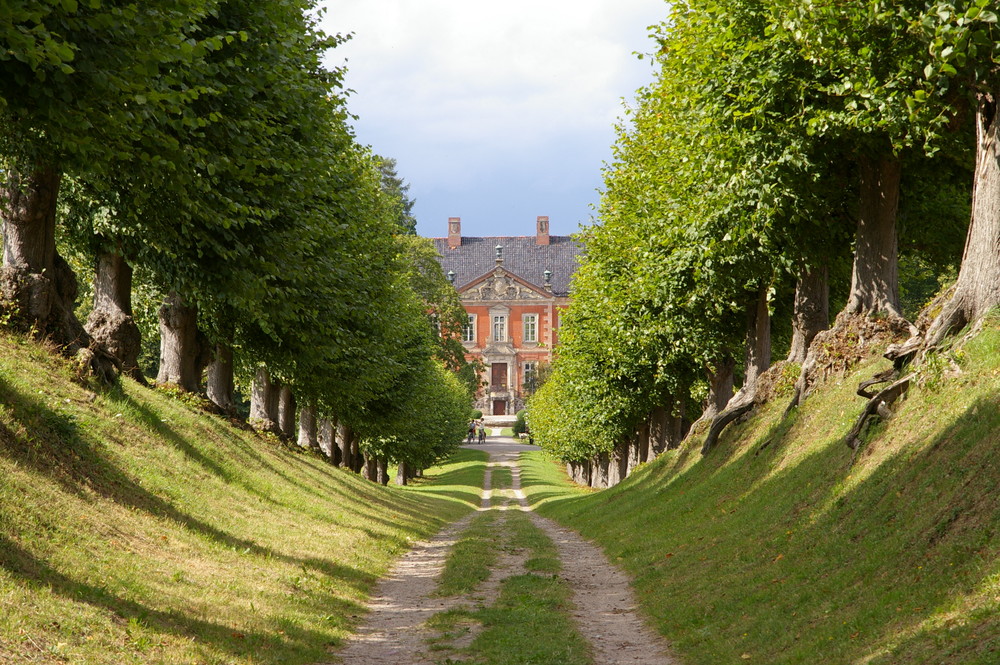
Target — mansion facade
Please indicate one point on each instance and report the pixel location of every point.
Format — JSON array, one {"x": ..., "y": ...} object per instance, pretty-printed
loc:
[{"x": 513, "y": 289}]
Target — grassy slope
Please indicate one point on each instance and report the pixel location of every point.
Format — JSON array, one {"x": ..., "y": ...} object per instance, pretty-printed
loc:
[
  {"x": 788, "y": 553},
  {"x": 136, "y": 529}
]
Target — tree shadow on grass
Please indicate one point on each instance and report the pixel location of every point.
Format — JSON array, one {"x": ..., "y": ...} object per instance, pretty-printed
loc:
[
  {"x": 53, "y": 445},
  {"x": 813, "y": 553},
  {"x": 292, "y": 644}
]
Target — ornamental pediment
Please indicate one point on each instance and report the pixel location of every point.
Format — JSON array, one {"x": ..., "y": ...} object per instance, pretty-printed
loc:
[{"x": 501, "y": 285}]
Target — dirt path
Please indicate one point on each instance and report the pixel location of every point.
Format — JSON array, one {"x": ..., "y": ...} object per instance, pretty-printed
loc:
[{"x": 605, "y": 610}]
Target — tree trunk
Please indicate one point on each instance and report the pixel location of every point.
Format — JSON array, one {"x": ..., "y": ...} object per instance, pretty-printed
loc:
[
  {"x": 720, "y": 387},
  {"x": 29, "y": 246},
  {"x": 599, "y": 471},
  {"x": 657, "y": 441},
  {"x": 369, "y": 468},
  {"x": 263, "y": 402},
  {"x": 37, "y": 286},
  {"x": 220, "y": 386},
  {"x": 636, "y": 445},
  {"x": 874, "y": 278},
  {"x": 343, "y": 440},
  {"x": 616, "y": 463},
  {"x": 811, "y": 313},
  {"x": 677, "y": 426},
  {"x": 758, "y": 345},
  {"x": 579, "y": 472},
  {"x": 326, "y": 441},
  {"x": 357, "y": 459},
  {"x": 286, "y": 415},
  {"x": 184, "y": 352},
  {"x": 402, "y": 474},
  {"x": 382, "y": 469},
  {"x": 308, "y": 426},
  {"x": 111, "y": 322},
  {"x": 977, "y": 290},
  {"x": 758, "y": 359}
]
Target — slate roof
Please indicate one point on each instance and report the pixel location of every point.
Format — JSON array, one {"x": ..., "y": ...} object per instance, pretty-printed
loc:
[{"x": 522, "y": 256}]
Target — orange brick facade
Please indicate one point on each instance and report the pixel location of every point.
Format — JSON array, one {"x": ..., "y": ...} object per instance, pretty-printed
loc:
[{"x": 513, "y": 289}]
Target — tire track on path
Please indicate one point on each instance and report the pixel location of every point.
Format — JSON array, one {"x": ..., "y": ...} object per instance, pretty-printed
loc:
[{"x": 604, "y": 606}]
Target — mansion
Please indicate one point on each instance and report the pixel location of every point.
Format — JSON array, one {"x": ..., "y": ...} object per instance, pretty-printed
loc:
[{"x": 513, "y": 289}]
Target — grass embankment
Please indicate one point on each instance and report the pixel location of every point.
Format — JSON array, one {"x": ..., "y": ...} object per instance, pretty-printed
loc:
[
  {"x": 775, "y": 548},
  {"x": 135, "y": 528}
]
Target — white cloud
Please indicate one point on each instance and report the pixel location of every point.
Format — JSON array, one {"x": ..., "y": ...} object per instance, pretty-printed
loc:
[{"x": 447, "y": 86}]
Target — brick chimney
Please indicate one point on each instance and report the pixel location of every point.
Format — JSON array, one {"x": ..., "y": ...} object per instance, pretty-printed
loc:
[
  {"x": 542, "y": 232},
  {"x": 454, "y": 232}
]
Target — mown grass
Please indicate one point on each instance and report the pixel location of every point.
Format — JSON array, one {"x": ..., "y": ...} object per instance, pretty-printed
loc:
[
  {"x": 471, "y": 558},
  {"x": 135, "y": 528},
  {"x": 776, "y": 548},
  {"x": 530, "y": 621}
]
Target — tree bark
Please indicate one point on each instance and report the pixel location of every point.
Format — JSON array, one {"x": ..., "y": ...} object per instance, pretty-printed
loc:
[
  {"x": 639, "y": 442},
  {"x": 677, "y": 426},
  {"x": 758, "y": 344},
  {"x": 220, "y": 386},
  {"x": 811, "y": 312},
  {"x": 184, "y": 351},
  {"x": 37, "y": 286},
  {"x": 382, "y": 470},
  {"x": 657, "y": 441},
  {"x": 29, "y": 245},
  {"x": 874, "y": 277},
  {"x": 599, "y": 471},
  {"x": 286, "y": 415},
  {"x": 343, "y": 440},
  {"x": 720, "y": 387},
  {"x": 977, "y": 290},
  {"x": 357, "y": 459},
  {"x": 369, "y": 468},
  {"x": 758, "y": 359},
  {"x": 308, "y": 426},
  {"x": 326, "y": 441},
  {"x": 111, "y": 322},
  {"x": 616, "y": 463},
  {"x": 402, "y": 474},
  {"x": 263, "y": 402}
]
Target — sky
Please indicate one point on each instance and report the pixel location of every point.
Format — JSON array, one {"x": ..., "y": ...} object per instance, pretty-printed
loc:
[{"x": 496, "y": 112}]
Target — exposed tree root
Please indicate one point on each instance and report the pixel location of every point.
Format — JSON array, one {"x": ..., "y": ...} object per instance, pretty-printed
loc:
[
  {"x": 848, "y": 342},
  {"x": 740, "y": 407},
  {"x": 877, "y": 407}
]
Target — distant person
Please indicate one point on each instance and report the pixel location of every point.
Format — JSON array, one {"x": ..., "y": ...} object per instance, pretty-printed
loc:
[
  {"x": 472, "y": 431},
  {"x": 482, "y": 433}
]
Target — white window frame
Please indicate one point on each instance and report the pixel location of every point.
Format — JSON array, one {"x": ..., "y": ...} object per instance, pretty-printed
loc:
[
  {"x": 532, "y": 321},
  {"x": 499, "y": 328},
  {"x": 469, "y": 330}
]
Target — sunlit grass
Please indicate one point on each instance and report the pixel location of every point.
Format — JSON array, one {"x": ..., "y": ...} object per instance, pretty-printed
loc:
[
  {"x": 777, "y": 548},
  {"x": 135, "y": 528}
]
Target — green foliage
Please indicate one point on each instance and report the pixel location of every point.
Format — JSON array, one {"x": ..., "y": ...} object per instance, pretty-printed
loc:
[
  {"x": 520, "y": 422},
  {"x": 398, "y": 190},
  {"x": 782, "y": 548},
  {"x": 736, "y": 169}
]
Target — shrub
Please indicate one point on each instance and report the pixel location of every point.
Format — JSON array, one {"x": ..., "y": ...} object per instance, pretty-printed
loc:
[{"x": 520, "y": 425}]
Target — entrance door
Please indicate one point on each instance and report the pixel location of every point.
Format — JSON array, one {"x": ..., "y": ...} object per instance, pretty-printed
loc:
[
  {"x": 499, "y": 376},
  {"x": 499, "y": 407}
]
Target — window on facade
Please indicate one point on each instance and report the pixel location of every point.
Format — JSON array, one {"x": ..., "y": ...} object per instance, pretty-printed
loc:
[
  {"x": 469, "y": 329},
  {"x": 499, "y": 328},
  {"x": 530, "y": 327}
]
